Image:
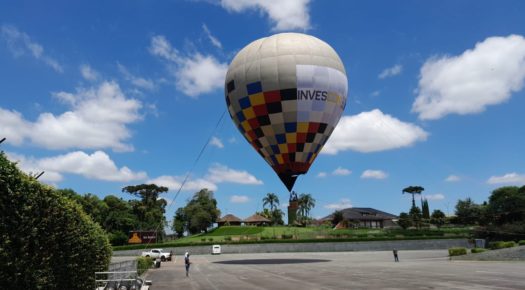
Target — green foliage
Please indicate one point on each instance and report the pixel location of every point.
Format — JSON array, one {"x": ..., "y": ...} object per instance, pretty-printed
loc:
[
  {"x": 272, "y": 200},
  {"x": 438, "y": 218},
  {"x": 468, "y": 212},
  {"x": 501, "y": 245},
  {"x": 306, "y": 203},
  {"x": 149, "y": 210},
  {"x": 457, "y": 251},
  {"x": 143, "y": 264},
  {"x": 236, "y": 231},
  {"x": 425, "y": 209},
  {"x": 413, "y": 190},
  {"x": 198, "y": 215},
  {"x": 416, "y": 216},
  {"x": 47, "y": 241},
  {"x": 507, "y": 205},
  {"x": 118, "y": 238},
  {"x": 337, "y": 217},
  {"x": 477, "y": 250},
  {"x": 521, "y": 243},
  {"x": 404, "y": 220}
]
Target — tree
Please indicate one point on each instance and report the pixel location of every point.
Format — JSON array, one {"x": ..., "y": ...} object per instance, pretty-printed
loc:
[
  {"x": 467, "y": 212},
  {"x": 271, "y": 199},
  {"x": 404, "y": 220},
  {"x": 413, "y": 190},
  {"x": 425, "y": 209},
  {"x": 179, "y": 222},
  {"x": 199, "y": 214},
  {"x": 415, "y": 216},
  {"x": 306, "y": 202},
  {"x": 275, "y": 216},
  {"x": 337, "y": 217},
  {"x": 437, "y": 218},
  {"x": 507, "y": 205},
  {"x": 150, "y": 209},
  {"x": 47, "y": 240}
]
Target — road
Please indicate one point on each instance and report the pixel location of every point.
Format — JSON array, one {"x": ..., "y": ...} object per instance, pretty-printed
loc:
[{"x": 337, "y": 270}]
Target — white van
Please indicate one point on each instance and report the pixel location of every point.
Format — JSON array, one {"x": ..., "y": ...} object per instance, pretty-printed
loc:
[{"x": 216, "y": 249}]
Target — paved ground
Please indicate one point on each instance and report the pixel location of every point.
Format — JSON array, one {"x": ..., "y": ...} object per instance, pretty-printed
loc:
[{"x": 337, "y": 270}]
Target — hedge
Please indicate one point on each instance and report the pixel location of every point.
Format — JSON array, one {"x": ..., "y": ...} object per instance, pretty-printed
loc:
[
  {"x": 502, "y": 245},
  {"x": 46, "y": 239},
  {"x": 457, "y": 251},
  {"x": 521, "y": 243},
  {"x": 143, "y": 264},
  {"x": 477, "y": 250}
]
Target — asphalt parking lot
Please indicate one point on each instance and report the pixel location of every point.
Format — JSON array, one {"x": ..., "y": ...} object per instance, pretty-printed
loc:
[{"x": 337, "y": 270}]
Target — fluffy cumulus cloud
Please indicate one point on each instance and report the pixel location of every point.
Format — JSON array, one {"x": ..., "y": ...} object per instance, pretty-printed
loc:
[
  {"x": 98, "y": 118},
  {"x": 437, "y": 196},
  {"x": 341, "y": 171},
  {"x": 219, "y": 173},
  {"x": 19, "y": 43},
  {"x": 195, "y": 74},
  {"x": 173, "y": 183},
  {"x": 239, "y": 199},
  {"x": 97, "y": 165},
  {"x": 391, "y": 71},
  {"x": 509, "y": 178},
  {"x": 342, "y": 204},
  {"x": 372, "y": 131},
  {"x": 216, "y": 142},
  {"x": 374, "y": 174},
  {"x": 452, "y": 178},
  {"x": 284, "y": 15},
  {"x": 486, "y": 75}
]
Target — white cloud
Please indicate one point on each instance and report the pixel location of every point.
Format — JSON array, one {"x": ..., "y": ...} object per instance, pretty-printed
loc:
[
  {"x": 140, "y": 82},
  {"x": 195, "y": 74},
  {"x": 341, "y": 171},
  {"x": 342, "y": 204},
  {"x": 285, "y": 15},
  {"x": 239, "y": 199},
  {"x": 372, "y": 131},
  {"x": 468, "y": 83},
  {"x": 97, "y": 119},
  {"x": 88, "y": 73},
  {"x": 219, "y": 173},
  {"x": 20, "y": 44},
  {"x": 216, "y": 142},
  {"x": 175, "y": 182},
  {"x": 452, "y": 178},
  {"x": 374, "y": 174},
  {"x": 437, "y": 196},
  {"x": 214, "y": 40},
  {"x": 509, "y": 178},
  {"x": 375, "y": 93},
  {"x": 391, "y": 71},
  {"x": 97, "y": 166},
  {"x": 322, "y": 174}
]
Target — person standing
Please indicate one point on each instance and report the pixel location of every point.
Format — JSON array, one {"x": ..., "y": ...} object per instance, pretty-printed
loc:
[
  {"x": 396, "y": 259},
  {"x": 187, "y": 263}
]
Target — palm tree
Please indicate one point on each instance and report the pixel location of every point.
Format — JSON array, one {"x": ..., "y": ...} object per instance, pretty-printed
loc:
[
  {"x": 272, "y": 200},
  {"x": 413, "y": 190},
  {"x": 306, "y": 203}
]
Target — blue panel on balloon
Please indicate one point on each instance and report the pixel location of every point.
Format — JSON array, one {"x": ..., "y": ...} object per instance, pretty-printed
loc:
[
  {"x": 281, "y": 138},
  {"x": 254, "y": 88},
  {"x": 290, "y": 127},
  {"x": 240, "y": 116},
  {"x": 244, "y": 102}
]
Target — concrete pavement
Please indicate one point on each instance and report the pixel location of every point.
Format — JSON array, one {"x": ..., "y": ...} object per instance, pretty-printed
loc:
[{"x": 429, "y": 269}]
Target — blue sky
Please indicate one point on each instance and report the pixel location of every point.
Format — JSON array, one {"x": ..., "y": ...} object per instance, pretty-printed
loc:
[{"x": 104, "y": 94}]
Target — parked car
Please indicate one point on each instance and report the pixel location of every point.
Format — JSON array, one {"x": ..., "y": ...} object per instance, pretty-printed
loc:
[
  {"x": 216, "y": 249},
  {"x": 157, "y": 253}
]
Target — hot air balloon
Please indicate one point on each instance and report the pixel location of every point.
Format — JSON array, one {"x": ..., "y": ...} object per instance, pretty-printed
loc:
[{"x": 286, "y": 93}]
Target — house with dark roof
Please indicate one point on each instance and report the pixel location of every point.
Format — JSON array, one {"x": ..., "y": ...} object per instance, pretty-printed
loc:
[
  {"x": 256, "y": 220},
  {"x": 229, "y": 220},
  {"x": 365, "y": 217}
]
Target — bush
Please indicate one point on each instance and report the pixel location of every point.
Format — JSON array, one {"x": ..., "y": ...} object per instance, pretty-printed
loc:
[
  {"x": 286, "y": 237},
  {"x": 457, "y": 251},
  {"x": 227, "y": 238},
  {"x": 210, "y": 239},
  {"x": 47, "y": 240},
  {"x": 118, "y": 238},
  {"x": 502, "y": 245},
  {"x": 143, "y": 264},
  {"x": 521, "y": 243},
  {"x": 478, "y": 250}
]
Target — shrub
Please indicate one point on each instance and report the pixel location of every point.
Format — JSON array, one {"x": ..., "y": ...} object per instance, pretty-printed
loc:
[
  {"x": 143, "y": 264},
  {"x": 118, "y": 238},
  {"x": 502, "y": 245},
  {"x": 457, "y": 251},
  {"x": 203, "y": 240},
  {"x": 227, "y": 238},
  {"x": 521, "y": 243},
  {"x": 285, "y": 237},
  {"x": 210, "y": 239},
  {"x": 47, "y": 240},
  {"x": 477, "y": 250}
]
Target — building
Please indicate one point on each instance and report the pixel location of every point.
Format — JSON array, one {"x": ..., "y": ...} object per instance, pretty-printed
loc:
[
  {"x": 229, "y": 220},
  {"x": 256, "y": 220},
  {"x": 365, "y": 217}
]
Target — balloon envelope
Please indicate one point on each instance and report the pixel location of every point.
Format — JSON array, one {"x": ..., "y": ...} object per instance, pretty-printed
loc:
[{"x": 286, "y": 94}]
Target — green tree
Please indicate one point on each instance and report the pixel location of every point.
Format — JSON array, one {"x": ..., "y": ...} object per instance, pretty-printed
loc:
[
  {"x": 413, "y": 190},
  {"x": 467, "y": 212},
  {"x": 438, "y": 218},
  {"x": 416, "y": 216},
  {"x": 272, "y": 200},
  {"x": 507, "y": 205},
  {"x": 425, "y": 209},
  {"x": 306, "y": 203},
  {"x": 179, "y": 222},
  {"x": 149, "y": 209},
  {"x": 404, "y": 220},
  {"x": 47, "y": 241},
  {"x": 201, "y": 212},
  {"x": 337, "y": 217}
]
